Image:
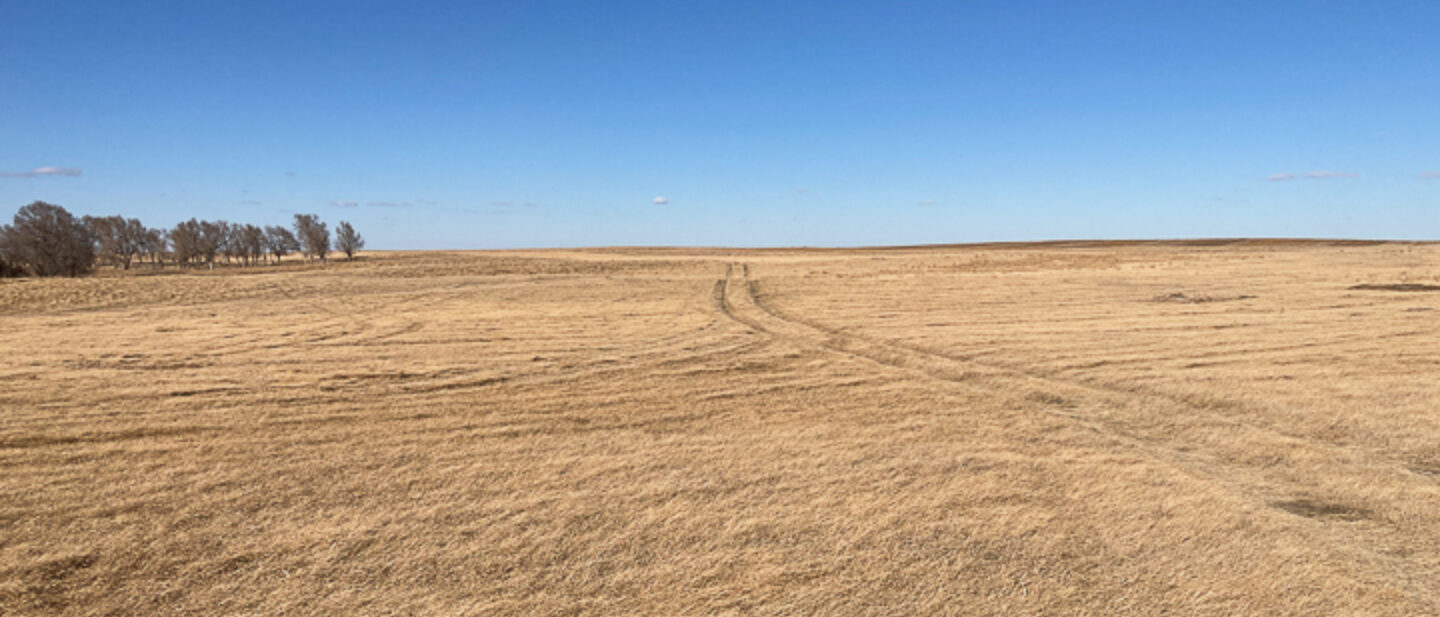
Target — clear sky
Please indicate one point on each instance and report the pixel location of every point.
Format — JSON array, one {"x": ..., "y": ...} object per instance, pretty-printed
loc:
[{"x": 511, "y": 124}]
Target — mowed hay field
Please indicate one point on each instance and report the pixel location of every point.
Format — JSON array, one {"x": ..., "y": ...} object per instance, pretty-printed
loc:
[{"x": 1210, "y": 428}]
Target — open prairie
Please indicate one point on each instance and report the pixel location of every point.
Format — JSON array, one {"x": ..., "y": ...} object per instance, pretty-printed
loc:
[{"x": 1206, "y": 428}]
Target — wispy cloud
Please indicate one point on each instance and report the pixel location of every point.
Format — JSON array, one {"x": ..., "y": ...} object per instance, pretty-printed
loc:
[
  {"x": 925, "y": 202},
  {"x": 250, "y": 202},
  {"x": 513, "y": 204},
  {"x": 346, "y": 203},
  {"x": 1430, "y": 175},
  {"x": 660, "y": 201},
  {"x": 1310, "y": 175},
  {"x": 42, "y": 171}
]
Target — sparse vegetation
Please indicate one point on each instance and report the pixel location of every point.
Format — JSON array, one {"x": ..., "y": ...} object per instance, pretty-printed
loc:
[{"x": 1006, "y": 430}]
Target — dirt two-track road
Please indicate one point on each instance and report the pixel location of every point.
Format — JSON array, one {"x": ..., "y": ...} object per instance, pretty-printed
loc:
[{"x": 1207, "y": 428}]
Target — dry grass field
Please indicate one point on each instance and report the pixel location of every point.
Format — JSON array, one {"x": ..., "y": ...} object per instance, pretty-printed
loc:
[{"x": 1208, "y": 428}]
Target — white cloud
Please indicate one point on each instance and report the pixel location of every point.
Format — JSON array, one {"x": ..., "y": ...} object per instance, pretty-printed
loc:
[
  {"x": 344, "y": 204},
  {"x": 660, "y": 201},
  {"x": 1279, "y": 177},
  {"x": 42, "y": 171},
  {"x": 388, "y": 204},
  {"x": 1328, "y": 174}
]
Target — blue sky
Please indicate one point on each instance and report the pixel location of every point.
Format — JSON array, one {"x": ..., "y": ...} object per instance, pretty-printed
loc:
[{"x": 515, "y": 124}]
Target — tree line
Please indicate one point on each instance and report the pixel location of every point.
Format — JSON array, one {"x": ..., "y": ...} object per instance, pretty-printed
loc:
[{"x": 46, "y": 240}]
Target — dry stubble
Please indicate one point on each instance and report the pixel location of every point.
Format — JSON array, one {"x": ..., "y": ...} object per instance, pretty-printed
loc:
[{"x": 1092, "y": 429}]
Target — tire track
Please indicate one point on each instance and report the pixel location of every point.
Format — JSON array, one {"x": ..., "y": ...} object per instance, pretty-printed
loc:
[
  {"x": 743, "y": 303},
  {"x": 737, "y": 297},
  {"x": 1203, "y": 440},
  {"x": 945, "y": 366},
  {"x": 694, "y": 345},
  {"x": 1038, "y": 379}
]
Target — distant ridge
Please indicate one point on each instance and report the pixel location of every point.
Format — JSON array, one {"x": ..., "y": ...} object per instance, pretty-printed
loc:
[{"x": 1021, "y": 244}]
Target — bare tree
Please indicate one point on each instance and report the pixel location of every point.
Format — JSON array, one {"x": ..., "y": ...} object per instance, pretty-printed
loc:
[
  {"x": 99, "y": 228},
  {"x": 313, "y": 234},
  {"x": 154, "y": 244},
  {"x": 199, "y": 242},
  {"x": 185, "y": 239},
  {"x": 252, "y": 243},
  {"x": 228, "y": 241},
  {"x": 280, "y": 242},
  {"x": 47, "y": 241},
  {"x": 9, "y": 266},
  {"x": 117, "y": 238},
  {"x": 347, "y": 240},
  {"x": 212, "y": 240},
  {"x": 133, "y": 234}
]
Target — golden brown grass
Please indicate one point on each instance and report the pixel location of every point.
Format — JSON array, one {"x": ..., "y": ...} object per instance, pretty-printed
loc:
[{"x": 1070, "y": 429}]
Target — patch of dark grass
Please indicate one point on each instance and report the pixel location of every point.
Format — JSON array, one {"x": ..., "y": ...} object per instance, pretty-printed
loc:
[
  {"x": 1396, "y": 287},
  {"x": 1325, "y": 510},
  {"x": 1181, "y": 298}
]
